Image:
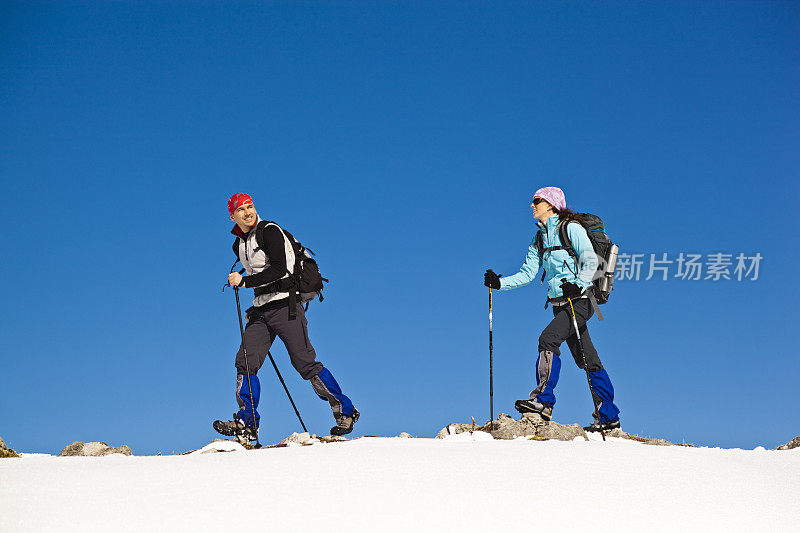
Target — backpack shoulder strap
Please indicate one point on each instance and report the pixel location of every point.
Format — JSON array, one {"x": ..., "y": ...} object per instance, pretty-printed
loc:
[
  {"x": 563, "y": 236},
  {"x": 286, "y": 235},
  {"x": 293, "y": 295},
  {"x": 539, "y": 243},
  {"x": 260, "y": 232}
]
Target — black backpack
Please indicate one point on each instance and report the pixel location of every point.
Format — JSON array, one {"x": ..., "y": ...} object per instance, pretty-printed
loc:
[
  {"x": 605, "y": 249},
  {"x": 306, "y": 277}
]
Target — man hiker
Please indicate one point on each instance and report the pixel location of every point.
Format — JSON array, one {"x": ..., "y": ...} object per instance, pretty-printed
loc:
[
  {"x": 268, "y": 258},
  {"x": 567, "y": 278}
]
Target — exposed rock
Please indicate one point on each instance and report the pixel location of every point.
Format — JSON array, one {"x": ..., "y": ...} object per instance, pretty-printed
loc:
[
  {"x": 530, "y": 425},
  {"x": 5, "y": 451},
  {"x": 794, "y": 443},
  {"x": 329, "y": 438},
  {"x": 304, "y": 439},
  {"x": 405, "y": 435},
  {"x": 93, "y": 449},
  {"x": 454, "y": 429},
  {"x": 658, "y": 442},
  {"x": 618, "y": 433},
  {"x": 644, "y": 440}
]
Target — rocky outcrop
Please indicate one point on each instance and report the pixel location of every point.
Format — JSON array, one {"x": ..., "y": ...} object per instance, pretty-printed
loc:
[
  {"x": 794, "y": 443},
  {"x": 5, "y": 451},
  {"x": 530, "y": 425},
  {"x": 93, "y": 449},
  {"x": 306, "y": 439}
]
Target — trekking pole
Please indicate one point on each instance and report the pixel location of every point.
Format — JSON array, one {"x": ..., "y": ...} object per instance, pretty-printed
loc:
[
  {"x": 491, "y": 371},
  {"x": 287, "y": 390},
  {"x": 588, "y": 378},
  {"x": 246, "y": 363}
]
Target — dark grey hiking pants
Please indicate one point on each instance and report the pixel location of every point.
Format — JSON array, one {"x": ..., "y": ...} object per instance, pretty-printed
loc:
[
  {"x": 548, "y": 364},
  {"x": 561, "y": 329},
  {"x": 261, "y": 330}
]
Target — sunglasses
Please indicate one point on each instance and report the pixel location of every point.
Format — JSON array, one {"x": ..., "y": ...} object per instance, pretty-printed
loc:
[{"x": 537, "y": 200}]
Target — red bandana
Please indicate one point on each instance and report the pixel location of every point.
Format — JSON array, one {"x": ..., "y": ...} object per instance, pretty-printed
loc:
[{"x": 238, "y": 200}]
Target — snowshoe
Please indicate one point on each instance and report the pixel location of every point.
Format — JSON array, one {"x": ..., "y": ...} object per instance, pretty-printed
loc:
[
  {"x": 597, "y": 426},
  {"x": 235, "y": 428},
  {"x": 345, "y": 424},
  {"x": 532, "y": 406}
]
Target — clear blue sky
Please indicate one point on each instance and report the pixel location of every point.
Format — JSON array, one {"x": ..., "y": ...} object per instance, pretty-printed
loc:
[{"x": 402, "y": 142}]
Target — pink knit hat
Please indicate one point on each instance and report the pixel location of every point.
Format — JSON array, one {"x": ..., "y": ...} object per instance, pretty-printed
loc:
[{"x": 552, "y": 195}]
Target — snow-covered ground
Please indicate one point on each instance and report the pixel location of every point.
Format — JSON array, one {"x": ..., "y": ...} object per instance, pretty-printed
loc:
[{"x": 461, "y": 483}]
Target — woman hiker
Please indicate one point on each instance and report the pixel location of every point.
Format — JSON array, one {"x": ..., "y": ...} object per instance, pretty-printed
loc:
[{"x": 566, "y": 278}]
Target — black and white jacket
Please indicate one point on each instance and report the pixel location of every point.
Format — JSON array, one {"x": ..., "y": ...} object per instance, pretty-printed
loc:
[{"x": 265, "y": 264}]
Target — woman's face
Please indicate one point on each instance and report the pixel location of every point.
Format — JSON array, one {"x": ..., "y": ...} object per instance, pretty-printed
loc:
[{"x": 541, "y": 208}]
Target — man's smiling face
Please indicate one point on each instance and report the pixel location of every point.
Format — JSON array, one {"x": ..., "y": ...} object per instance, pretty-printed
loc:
[{"x": 245, "y": 216}]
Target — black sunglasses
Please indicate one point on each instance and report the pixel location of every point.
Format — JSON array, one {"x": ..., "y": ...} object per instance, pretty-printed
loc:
[{"x": 537, "y": 200}]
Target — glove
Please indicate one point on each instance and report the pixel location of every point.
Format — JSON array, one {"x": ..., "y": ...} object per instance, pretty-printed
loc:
[
  {"x": 570, "y": 290},
  {"x": 491, "y": 280}
]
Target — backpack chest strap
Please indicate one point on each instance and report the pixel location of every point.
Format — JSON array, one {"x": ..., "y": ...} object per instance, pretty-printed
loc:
[{"x": 552, "y": 248}]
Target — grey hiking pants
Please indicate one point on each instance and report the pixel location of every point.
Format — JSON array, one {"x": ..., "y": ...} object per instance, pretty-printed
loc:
[
  {"x": 548, "y": 364},
  {"x": 262, "y": 328},
  {"x": 260, "y": 332},
  {"x": 561, "y": 329}
]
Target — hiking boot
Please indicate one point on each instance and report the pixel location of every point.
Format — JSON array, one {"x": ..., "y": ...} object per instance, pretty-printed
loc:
[
  {"x": 532, "y": 406},
  {"x": 248, "y": 436},
  {"x": 596, "y": 426},
  {"x": 235, "y": 428},
  {"x": 345, "y": 424}
]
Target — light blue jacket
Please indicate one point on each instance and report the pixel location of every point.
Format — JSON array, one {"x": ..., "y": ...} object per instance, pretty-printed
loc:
[{"x": 558, "y": 264}]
